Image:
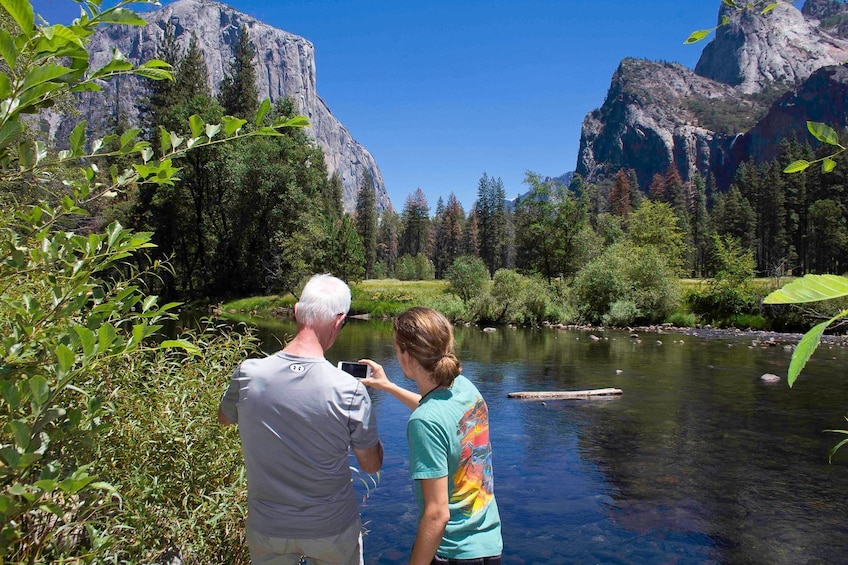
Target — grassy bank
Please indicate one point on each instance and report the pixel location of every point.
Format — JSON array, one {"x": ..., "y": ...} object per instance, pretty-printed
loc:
[
  {"x": 376, "y": 298},
  {"x": 384, "y": 298}
]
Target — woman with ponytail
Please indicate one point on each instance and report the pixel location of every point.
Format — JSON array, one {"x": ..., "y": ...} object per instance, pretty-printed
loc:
[{"x": 450, "y": 453}]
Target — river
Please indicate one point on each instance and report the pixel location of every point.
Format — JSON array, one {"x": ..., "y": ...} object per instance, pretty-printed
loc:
[{"x": 698, "y": 461}]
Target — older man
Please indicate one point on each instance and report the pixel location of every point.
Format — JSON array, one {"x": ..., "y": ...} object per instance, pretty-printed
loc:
[{"x": 298, "y": 416}]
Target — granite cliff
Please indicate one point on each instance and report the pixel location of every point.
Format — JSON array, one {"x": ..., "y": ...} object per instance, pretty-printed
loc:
[
  {"x": 713, "y": 118},
  {"x": 285, "y": 68}
]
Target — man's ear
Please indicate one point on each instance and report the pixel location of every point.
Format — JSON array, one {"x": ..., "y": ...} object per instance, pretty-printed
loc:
[{"x": 296, "y": 304}]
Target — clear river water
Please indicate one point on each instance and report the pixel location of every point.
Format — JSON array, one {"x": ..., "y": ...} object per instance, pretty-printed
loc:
[{"x": 698, "y": 461}]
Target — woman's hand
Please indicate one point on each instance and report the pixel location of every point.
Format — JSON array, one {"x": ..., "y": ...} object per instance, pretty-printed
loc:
[
  {"x": 380, "y": 381},
  {"x": 378, "y": 378}
]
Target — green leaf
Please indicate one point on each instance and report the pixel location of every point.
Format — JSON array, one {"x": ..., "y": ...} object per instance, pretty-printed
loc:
[
  {"x": 8, "y": 50},
  {"x": 77, "y": 138},
  {"x": 149, "y": 302},
  {"x": 232, "y": 125},
  {"x": 186, "y": 345},
  {"x": 810, "y": 288},
  {"x": 9, "y": 132},
  {"x": 42, "y": 74},
  {"x": 797, "y": 166},
  {"x": 769, "y": 8},
  {"x": 806, "y": 347},
  {"x": 5, "y": 86},
  {"x": 26, "y": 155},
  {"x": 154, "y": 74},
  {"x": 828, "y": 165},
  {"x": 823, "y": 133},
  {"x": 21, "y": 432},
  {"x": 122, "y": 16},
  {"x": 106, "y": 335},
  {"x": 295, "y": 122},
  {"x": 87, "y": 340},
  {"x": 39, "y": 388},
  {"x": 128, "y": 137},
  {"x": 196, "y": 124},
  {"x": 66, "y": 359},
  {"x": 697, "y": 36},
  {"x": 21, "y": 11},
  {"x": 116, "y": 65},
  {"x": 838, "y": 445},
  {"x": 7, "y": 505},
  {"x": 164, "y": 140},
  {"x": 264, "y": 108}
]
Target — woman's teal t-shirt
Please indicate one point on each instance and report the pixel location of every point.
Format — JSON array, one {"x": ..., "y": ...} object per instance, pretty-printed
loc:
[{"x": 448, "y": 436}]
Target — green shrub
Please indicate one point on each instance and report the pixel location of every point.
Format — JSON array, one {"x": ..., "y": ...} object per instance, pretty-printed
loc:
[
  {"x": 621, "y": 313},
  {"x": 468, "y": 277},
  {"x": 682, "y": 319},
  {"x": 627, "y": 273},
  {"x": 81, "y": 340},
  {"x": 176, "y": 498},
  {"x": 418, "y": 268},
  {"x": 749, "y": 321}
]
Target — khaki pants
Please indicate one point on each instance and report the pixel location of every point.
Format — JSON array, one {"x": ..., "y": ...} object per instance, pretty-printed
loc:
[{"x": 343, "y": 549}]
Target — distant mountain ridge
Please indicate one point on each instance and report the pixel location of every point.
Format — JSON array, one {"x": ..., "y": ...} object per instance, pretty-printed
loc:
[
  {"x": 285, "y": 68},
  {"x": 713, "y": 118}
]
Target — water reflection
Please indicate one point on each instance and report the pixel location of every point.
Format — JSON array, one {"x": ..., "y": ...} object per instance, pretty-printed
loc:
[{"x": 697, "y": 462}]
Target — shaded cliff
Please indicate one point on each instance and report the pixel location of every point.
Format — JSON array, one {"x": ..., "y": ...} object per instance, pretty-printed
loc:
[{"x": 285, "y": 66}]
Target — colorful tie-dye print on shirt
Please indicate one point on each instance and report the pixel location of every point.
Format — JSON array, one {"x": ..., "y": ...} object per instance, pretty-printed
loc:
[{"x": 473, "y": 477}]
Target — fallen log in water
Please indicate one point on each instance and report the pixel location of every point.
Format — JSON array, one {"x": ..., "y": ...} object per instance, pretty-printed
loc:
[{"x": 566, "y": 394}]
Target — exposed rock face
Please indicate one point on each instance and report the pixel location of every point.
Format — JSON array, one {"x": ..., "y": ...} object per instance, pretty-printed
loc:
[
  {"x": 658, "y": 114},
  {"x": 285, "y": 68},
  {"x": 821, "y": 98},
  {"x": 755, "y": 52},
  {"x": 832, "y": 16}
]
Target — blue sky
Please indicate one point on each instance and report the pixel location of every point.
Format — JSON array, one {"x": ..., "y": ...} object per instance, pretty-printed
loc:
[{"x": 442, "y": 91}]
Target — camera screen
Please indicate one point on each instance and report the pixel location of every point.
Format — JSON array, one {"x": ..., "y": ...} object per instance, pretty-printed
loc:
[{"x": 358, "y": 370}]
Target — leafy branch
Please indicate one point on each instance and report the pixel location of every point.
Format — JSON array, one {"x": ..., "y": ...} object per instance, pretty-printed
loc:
[{"x": 825, "y": 134}]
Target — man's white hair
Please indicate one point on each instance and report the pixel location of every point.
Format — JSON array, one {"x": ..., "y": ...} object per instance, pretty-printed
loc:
[{"x": 323, "y": 298}]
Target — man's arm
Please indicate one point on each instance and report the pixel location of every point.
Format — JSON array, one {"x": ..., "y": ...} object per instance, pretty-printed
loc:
[
  {"x": 223, "y": 419},
  {"x": 431, "y": 528},
  {"x": 370, "y": 460}
]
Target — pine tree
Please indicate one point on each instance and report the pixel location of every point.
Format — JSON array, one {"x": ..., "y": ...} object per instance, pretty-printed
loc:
[
  {"x": 699, "y": 222},
  {"x": 333, "y": 198},
  {"x": 415, "y": 225},
  {"x": 163, "y": 92},
  {"x": 619, "y": 198},
  {"x": 734, "y": 216},
  {"x": 192, "y": 74},
  {"x": 388, "y": 242},
  {"x": 366, "y": 222},
  {"x": 471, "y": 238},
  {"x": 657, "y": 191},
  {"x": 448, "y": 244},
  {"x": 491, "y": 222},
  {"x": 239, "y": 94}
]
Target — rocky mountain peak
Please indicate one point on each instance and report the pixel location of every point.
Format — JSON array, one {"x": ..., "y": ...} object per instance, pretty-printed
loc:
[
  {"x": 756, "y": 82},
  {"x": 755, "y": 52},
  {"x": 285, "y": 68}
]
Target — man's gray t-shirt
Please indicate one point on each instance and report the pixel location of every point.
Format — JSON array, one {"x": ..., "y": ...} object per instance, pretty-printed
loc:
[{"x": 297, "y": 417}]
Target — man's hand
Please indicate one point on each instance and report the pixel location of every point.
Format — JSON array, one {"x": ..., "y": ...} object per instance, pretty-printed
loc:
[{"x": 371, "y": 459}]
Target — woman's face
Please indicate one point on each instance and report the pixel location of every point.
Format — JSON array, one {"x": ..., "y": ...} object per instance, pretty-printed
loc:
[{"x": 404, "y": 360}]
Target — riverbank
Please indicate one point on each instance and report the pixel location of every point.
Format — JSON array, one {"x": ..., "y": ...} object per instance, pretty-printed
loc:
[
  {"x": 759, "y": 338},
  {"x": 386, "y": 298}
]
